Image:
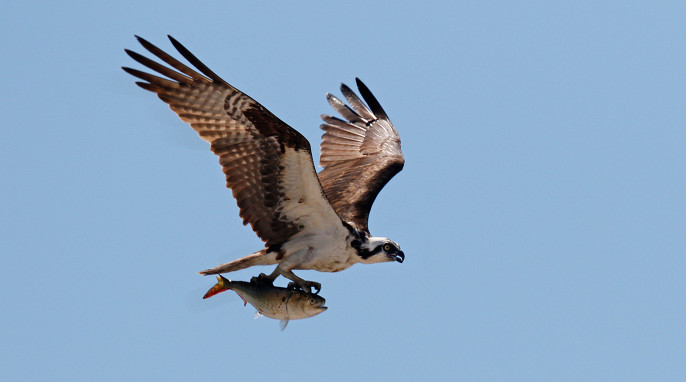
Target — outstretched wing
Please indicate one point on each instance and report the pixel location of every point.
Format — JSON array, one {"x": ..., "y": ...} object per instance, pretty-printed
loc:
[
  {"x": 359, "y": 154},
  {"x": 268, "y": 164}
]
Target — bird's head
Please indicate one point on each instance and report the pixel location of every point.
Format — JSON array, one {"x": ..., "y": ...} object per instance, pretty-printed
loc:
[{"x": 380, "y": 250}]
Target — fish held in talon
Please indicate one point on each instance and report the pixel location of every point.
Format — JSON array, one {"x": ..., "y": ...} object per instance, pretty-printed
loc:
[
  {"x": 279, "y": 303},
  {"x": 307, "y": 219}
]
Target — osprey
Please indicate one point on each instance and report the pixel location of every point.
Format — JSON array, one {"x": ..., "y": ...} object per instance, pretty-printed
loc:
[{"x": 308, "y": 220}]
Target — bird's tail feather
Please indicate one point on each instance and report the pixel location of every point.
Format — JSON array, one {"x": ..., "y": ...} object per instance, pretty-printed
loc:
[{"x": 258, "y": 258}]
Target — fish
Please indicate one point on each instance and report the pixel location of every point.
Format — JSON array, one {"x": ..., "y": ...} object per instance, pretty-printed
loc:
[{"x": 279, "y": 303}]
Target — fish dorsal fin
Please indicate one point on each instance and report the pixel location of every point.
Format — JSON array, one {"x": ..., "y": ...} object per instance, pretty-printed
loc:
[
  {"x": 283, "y": 324},
  {"x": 257, "y": 314}
]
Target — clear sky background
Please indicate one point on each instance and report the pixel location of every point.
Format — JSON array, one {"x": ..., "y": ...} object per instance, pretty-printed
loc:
[{"x": 541, "y": 208}]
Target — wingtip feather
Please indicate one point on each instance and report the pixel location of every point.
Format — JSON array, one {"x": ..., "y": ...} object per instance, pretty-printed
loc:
[{"x": 371, "y": 101}]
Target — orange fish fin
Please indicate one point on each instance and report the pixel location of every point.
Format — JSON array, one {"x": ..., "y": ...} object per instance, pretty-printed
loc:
[{"x": 219, "y": 287}]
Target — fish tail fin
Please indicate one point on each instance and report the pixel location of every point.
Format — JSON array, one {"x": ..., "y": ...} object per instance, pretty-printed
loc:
[
  {"x": 258, "y": 258},
  {"x": 221, "y": 285}
]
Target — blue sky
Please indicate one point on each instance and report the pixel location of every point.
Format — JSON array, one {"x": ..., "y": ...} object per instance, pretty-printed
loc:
[{"x": 541, "y": 208}]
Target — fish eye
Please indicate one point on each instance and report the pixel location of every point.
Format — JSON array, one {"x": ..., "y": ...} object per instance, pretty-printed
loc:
[
  {"x": 311, "y": 301},
  {"x": 386, "y": 247}
]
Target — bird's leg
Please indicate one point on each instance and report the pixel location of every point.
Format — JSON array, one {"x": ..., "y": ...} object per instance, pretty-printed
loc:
[{"x": 305, "y": 285}]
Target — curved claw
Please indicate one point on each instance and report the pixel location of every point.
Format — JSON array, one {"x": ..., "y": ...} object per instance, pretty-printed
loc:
[
  {"x": 262, "y": 279},
  {"x": 305, "y": 287},
  {"x": 293, "y": 286},
  {"x": 317, "y": 286}
]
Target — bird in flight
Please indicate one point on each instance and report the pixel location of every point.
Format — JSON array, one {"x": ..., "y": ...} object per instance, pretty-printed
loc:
[{"x": 308, "y": 220}]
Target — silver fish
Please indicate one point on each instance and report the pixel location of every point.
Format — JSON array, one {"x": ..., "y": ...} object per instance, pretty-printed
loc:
[{"x": 274, "y": 302}]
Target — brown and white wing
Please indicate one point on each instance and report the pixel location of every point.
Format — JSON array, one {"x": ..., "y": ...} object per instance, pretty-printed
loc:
[
  {"x": 359, "y": 153},
  {"x": 268, "y": 165}
]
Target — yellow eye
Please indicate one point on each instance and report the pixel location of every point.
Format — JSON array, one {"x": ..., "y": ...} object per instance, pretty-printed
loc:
[{"x": 387, "y": 247}]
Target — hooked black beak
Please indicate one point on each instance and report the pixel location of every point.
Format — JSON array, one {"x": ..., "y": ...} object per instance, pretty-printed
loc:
[{"x": 400, "y": 256}]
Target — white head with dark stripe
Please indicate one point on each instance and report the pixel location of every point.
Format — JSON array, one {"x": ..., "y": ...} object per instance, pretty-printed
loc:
[{"x": 380, "y": 250}]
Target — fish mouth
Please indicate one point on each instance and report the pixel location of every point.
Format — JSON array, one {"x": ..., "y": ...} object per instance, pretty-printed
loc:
[
  {"x": 318, "y": 310},
  {"x": 319, "y": 305}
]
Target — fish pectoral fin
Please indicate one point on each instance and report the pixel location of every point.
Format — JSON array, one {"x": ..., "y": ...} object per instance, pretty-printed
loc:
[
  {"x": 283, "y": 324},
  {"x": 257, "y": 314}
]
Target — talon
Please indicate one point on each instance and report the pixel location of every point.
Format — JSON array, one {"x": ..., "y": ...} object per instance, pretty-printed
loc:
[
  {"x": 307, "y": 286},
  {"x": 293, "y": 286},
  {"x": 262, "y": 279}
]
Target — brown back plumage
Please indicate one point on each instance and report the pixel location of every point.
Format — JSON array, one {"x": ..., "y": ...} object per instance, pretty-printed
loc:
[{"x": 359, "y": 155}]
